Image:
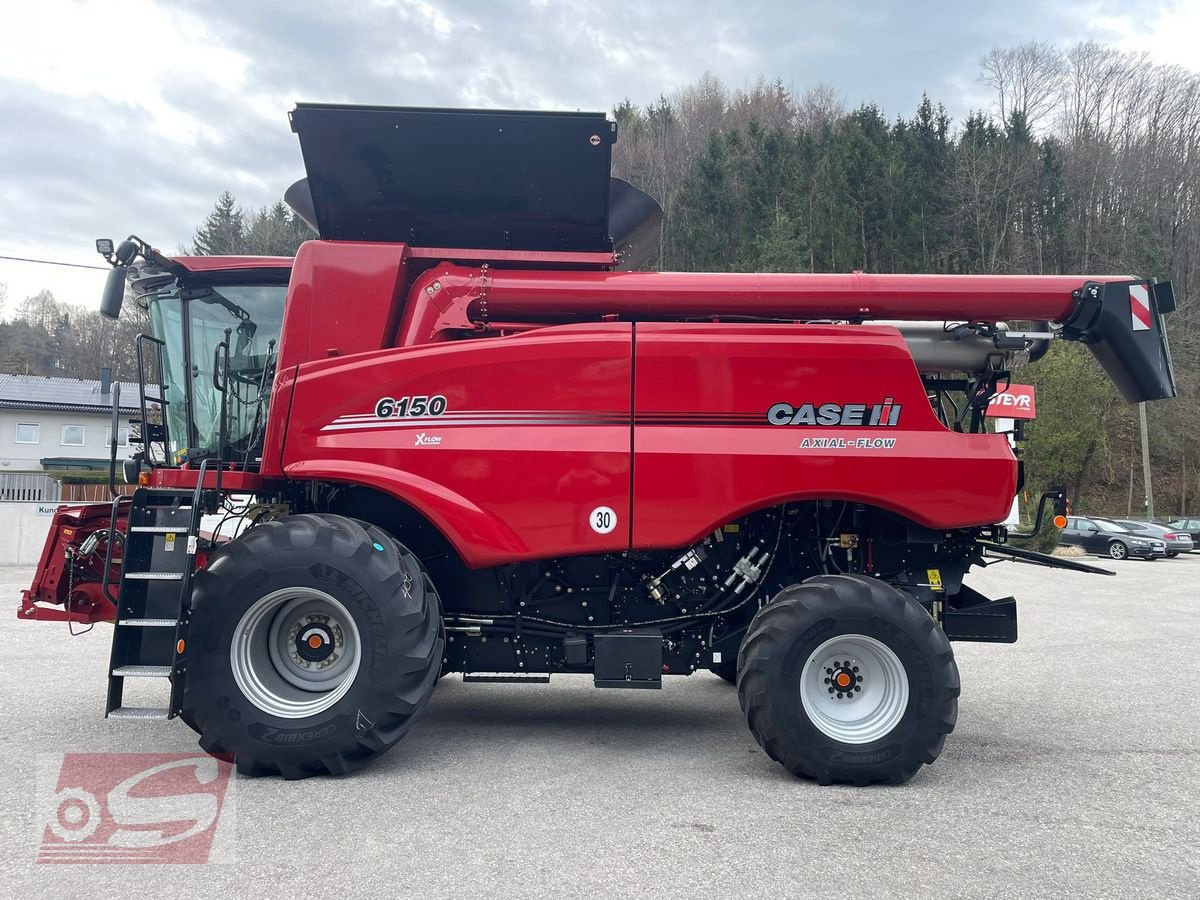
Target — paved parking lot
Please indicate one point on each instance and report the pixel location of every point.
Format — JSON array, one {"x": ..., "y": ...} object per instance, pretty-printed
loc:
[{"x": 1074, "y": 771}]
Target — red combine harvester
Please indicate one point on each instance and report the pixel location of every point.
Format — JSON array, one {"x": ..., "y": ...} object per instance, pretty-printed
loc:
[{"x": 458, "y": 434}]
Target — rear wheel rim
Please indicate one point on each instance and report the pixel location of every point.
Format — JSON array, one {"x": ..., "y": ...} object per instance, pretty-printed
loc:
[
  {"x": 854, "y": 689},
  {"x": 295, "y": 652}
]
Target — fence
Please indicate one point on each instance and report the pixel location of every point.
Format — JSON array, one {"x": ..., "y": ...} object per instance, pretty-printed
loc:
[
  {"x": 45, "y": 489},
  {"x": 92, "y": 492},
  {"x": 37, "y": 488}
]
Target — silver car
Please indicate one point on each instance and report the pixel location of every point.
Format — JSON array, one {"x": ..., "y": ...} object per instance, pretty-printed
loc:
[{"x": 1177, "y": 541}]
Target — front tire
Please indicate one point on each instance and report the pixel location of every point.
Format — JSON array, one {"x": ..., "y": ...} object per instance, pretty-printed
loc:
[
  {"x": 1117, "y": 550},
  {"x": 314, "y": 644},
  {"x": 846, "y": 679}
]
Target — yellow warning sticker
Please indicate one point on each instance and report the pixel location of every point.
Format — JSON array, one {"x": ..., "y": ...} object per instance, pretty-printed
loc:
[
  {"x": 169, "y": 542},
  {"x": 935, "y": 579}
]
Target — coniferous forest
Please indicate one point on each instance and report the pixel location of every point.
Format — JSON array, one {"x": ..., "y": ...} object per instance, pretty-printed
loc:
[{"x": 1086, "y": 161}]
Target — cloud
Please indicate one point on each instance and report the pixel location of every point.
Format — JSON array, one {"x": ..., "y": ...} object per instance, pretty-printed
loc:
[{"x": 134, "y": 116}]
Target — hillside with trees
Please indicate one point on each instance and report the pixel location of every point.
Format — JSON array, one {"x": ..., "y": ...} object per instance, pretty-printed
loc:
[{"x": 1088, "y": 162}]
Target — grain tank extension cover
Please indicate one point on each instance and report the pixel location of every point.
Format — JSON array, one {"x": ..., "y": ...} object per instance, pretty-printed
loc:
[{"x": 462, "y": 178}]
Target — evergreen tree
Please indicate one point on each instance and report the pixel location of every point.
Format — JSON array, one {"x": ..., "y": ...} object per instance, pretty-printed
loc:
[{"x": 223, "y": 232}]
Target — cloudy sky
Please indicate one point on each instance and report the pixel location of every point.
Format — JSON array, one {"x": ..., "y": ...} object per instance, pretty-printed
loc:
[{"x": 131, "y": 116}]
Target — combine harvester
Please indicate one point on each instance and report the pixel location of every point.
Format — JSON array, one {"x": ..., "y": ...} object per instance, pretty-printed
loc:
[{"x": 477, "y": 441}]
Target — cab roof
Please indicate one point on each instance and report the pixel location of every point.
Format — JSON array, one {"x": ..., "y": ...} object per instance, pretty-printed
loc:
[{"x": 226, "y": 263}]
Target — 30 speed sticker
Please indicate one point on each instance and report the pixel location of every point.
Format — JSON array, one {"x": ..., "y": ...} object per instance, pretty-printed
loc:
[{"x": 602, "y": 519}]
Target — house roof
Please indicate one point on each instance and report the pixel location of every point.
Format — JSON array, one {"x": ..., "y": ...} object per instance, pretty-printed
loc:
[{"x": 34, "y": 392}]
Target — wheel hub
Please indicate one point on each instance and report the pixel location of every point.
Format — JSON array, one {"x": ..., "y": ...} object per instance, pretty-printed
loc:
[
  {"x": 315, "y": 641},
  {"x": 844, "y": 679}
]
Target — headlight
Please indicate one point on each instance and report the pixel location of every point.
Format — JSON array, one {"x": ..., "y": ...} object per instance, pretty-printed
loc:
[{"x": 1138, "y": 542}]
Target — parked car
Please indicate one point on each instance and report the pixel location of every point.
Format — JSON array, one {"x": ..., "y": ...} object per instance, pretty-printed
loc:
[
  {"x": 1177, "y": 541},
  {"x": 1191, "y": 526},
  {"x": 1106, "y": 538}
]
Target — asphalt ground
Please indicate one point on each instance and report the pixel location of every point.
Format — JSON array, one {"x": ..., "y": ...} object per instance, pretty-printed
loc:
[{"x": 1074, "y": 771}]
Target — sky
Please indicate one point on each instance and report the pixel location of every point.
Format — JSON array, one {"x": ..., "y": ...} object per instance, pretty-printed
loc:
[{"x": 132, "y": 116}]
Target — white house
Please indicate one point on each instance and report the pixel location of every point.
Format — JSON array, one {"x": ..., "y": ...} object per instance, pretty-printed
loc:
[{"x": 60, "y": 423}]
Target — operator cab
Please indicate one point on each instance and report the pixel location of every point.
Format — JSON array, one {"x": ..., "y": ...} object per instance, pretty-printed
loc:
[{"x": 210, "y": 351}]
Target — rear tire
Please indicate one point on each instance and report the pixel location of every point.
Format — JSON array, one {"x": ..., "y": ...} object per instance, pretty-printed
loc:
[
  {"x": 314, "y": 644},
  {"x": 835, "y": 627}
]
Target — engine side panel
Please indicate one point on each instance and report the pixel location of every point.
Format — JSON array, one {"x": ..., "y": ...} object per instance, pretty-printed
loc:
[
  {"x": 706, "y": 451},
  {"x": 530, "y": 436}
]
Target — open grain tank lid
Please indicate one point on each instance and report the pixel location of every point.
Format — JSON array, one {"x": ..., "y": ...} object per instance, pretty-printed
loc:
[{"x": 468, "y": 178}]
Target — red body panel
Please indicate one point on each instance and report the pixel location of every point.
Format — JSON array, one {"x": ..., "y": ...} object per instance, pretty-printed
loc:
[
  {"x": 534, "y": 437},
  {"x": 342, "y": 299},
  {"x": 538, "y": 433},
  {"x": 186, "y": 477},
  {"x": 690, "y": 478}
]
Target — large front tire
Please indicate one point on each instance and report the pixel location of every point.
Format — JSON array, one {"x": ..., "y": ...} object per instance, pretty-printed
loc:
[
  {"x": 314, "y": 644},
  {"x": 846, "y": 679}
]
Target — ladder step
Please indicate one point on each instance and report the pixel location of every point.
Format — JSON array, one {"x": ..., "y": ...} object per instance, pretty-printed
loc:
[
  {"x": 160, "y": 529},
  {"x": 506, "y": 678},
  {"x": 142, "y": 672},
  {"x": 149, "y": 623},
  {"x": 139, "y": 712},
  {"x": 154, "y": 576}
]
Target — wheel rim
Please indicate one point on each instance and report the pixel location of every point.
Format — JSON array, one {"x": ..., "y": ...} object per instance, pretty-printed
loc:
[
  {"x": 295, "y": 652},
  {"x": 1116, "y": 550},
  {"x": 854, "y": 689}
]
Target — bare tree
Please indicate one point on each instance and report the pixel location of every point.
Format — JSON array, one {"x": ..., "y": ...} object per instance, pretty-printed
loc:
[
  {"x": 819, "y": 107},
  {"x": 1027, "y": 79}
]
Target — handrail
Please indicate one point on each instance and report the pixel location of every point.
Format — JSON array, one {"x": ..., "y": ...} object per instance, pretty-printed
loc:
[
  {"x": 200, "y": 483},
  {"x": 223, "y": 427},
  {"x": 161, "y": 400},
  {"x": 268, "y": 371},
  {"x": 106, "y": 580},
  {"x": 112, "y": 444}
]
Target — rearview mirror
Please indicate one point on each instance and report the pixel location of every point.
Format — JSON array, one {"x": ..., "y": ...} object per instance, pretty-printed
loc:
[
  {"x": 125, "y": 252},
  {"x": 1093, "y": 529},
  {"x": 114, "y": 293}
]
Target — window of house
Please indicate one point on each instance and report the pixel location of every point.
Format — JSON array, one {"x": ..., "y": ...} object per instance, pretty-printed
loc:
[
  {"x": 122, "y": 436},
  {"x": 28, "y": 433},
  {"x": 72, "y": 435}
]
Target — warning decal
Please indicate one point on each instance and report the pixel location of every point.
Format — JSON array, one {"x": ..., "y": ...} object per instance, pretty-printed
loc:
[{"x": 1139, "y": 307}]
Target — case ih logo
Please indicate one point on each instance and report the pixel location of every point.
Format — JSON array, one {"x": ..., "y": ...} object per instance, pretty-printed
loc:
[
  {"x": 1017, "y": 402},
  {"x": 885, "y": 414},
  {"x": 134, "y": 808}
]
